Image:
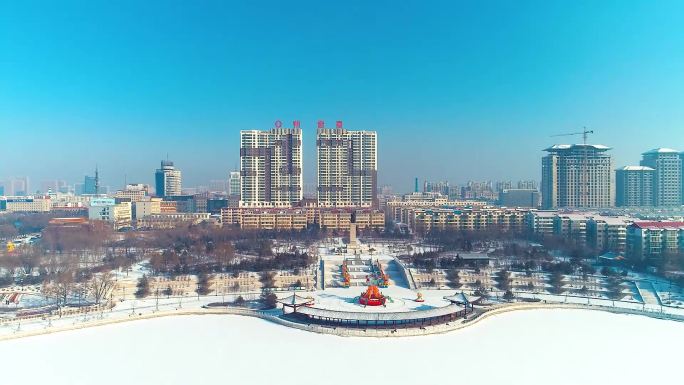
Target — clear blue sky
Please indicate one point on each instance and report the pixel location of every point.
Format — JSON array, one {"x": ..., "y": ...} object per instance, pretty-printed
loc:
[{"x": 457, "y": 90}]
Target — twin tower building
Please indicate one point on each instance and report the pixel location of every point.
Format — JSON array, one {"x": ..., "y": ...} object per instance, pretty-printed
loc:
[{"x": 271, "y": 167}]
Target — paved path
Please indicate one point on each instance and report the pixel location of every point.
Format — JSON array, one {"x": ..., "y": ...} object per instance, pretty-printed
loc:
[{"x": 648, "y": 292}]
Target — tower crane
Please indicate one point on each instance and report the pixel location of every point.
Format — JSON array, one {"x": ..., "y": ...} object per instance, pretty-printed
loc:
[{"x": 584, "y": 134}]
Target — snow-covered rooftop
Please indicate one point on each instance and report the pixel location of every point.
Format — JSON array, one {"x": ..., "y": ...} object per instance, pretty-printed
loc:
[
  {"x": 661, "y": 150},
  {"x": 636, "y": 168},
  {"x": 561, "y": 147}
]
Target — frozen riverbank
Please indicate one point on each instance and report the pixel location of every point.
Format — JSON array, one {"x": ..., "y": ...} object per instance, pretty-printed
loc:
[{"x": 541, "y": 346}]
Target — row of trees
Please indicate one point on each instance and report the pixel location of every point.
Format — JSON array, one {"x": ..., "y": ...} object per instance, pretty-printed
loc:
[
  {"x": 14, "y": 224},
  {"x": 431, "y": 260}
]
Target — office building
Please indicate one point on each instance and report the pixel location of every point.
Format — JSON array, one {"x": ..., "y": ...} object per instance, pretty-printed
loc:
[
  {"x": 577, "y": 176},
  {"x": 91, "y": 184},
  {"x": 168, "y": 181},
  {"x": 271, "y": 167},
  {"x": 347, "y": 167},
  {"x": 634, "y": 186},
  {"x": 667, "y": 178},
  {"x": 28, "y": 204},
  {"x": 519, "y": 198}
]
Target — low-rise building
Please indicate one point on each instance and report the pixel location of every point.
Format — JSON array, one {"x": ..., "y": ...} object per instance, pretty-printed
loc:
[
  {"x": 147, "y": 207},
  {"x": 646, "y": 240},
  {"x": 301, "y": 217},
  {"x": 168, "y": 207},
  {"x": 608, "y": 233},
  {"x": 424, "y": 220},
  {"x": 540, "y": 222},
  {"x": 170, "y": 220},
  {"x": 592, "y": 229},
  {"x": 400, "y": 210},
  {"x": 28, "y": 204},
  {"x": 264, "y": 219},
  {"x": 120, "y": 215},
  {"x": 131, "y": 195},
  {"x": 520, "y": 198}
]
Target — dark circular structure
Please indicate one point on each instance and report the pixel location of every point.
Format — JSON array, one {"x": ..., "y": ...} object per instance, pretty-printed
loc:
[{"x": 379, "y": 320}]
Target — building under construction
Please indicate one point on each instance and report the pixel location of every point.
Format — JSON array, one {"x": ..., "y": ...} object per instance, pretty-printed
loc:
[{"x": 577, "y": 176}]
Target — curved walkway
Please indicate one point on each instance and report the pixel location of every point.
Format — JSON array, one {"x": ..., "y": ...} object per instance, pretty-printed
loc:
[{"x": 346, "y": 332}]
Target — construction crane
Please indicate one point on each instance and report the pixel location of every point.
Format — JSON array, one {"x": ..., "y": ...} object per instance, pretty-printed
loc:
[
  {"x": 584, "y": 134},
  {"x": 583, "y": 199}
]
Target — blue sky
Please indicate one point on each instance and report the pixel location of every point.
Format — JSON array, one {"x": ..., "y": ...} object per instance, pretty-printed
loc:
[{"x": 457, "y": 90}]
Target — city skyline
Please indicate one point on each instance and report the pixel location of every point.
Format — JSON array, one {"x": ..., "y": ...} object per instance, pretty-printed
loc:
[
  {"x": 403, "y": 71},
  {"x": 207, "y": 184}
]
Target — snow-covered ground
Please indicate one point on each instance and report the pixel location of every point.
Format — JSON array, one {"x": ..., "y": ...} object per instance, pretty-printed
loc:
[
  {"x": 399, "y": 299},
  {"x": 527, "y": 347}
]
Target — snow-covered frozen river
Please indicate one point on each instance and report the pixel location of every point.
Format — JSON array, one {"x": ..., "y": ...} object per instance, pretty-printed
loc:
[{"x": 525, "y": 347}]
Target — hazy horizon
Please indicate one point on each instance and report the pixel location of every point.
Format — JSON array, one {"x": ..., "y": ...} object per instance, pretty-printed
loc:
[{"x": 459, "y": 91}]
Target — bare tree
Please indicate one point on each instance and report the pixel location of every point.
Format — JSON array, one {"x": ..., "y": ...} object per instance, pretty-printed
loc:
[
  {"x": 101, "y": 284},
  {"x": 61, "y": 287}
]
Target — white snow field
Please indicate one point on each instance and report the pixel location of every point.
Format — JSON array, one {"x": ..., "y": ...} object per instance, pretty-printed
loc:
[{"x": 523, "y": 347}]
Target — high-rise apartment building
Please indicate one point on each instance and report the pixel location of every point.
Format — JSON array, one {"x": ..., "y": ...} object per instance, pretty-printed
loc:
[
  {"x": 681, "y": 157},
  {"x": 218, "y": 185},
  {"x": 527, "y": 185},
  {"x": 634, "y": 186},
  {"x": 271, "y": 166},
  {"x": 168, "y": 180},
  {"x": 576, "y": 176},
  {"x": 667, "y": 179},
  {"x": 438, "y": 187},
  {"x": 53, "y": 186},
  {"x": 234, "y": 183},
  {"x": 503, "y": 185},
  {"x": 16, "y": 186},
  {"x": 347, "y": 166}
]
